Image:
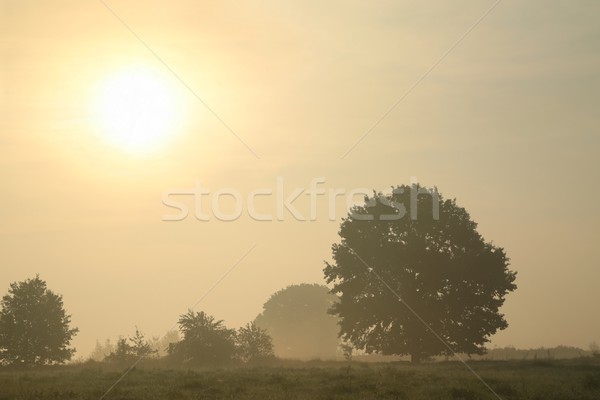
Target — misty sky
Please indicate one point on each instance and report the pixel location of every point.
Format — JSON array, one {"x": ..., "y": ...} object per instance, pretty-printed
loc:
[{"x": 507, "y": 123}]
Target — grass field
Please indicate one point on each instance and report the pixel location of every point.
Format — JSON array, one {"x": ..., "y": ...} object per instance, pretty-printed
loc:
[{"x": 543, "y": 380}]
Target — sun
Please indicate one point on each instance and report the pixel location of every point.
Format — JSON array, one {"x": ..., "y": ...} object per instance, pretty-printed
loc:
[{"x": 137, "y": 109}]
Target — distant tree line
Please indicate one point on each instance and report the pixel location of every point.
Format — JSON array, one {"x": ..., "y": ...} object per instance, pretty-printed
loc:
[
  {"x": 294, "y": 324},
  {"x": 540, "y": 353},
  {"x": 158, "y": 345},
  {"x": 35, "y": 330},
  {"x": 205, "y": 341}
]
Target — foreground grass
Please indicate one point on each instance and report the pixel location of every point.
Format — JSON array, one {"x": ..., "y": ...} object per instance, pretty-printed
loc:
[{"x": 510, "y": 380}]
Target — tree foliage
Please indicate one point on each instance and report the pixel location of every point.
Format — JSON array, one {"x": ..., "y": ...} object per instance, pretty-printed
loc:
[
  {"x": 122, "y": 354},
  {"x": 131, "y": 349},
  {"x": 254, "y": 344},
  {"x": 127, "y": 349},
  {"x": 34, "y": 327},
  {"x": 430, "y": 254},
  {"x": 205, "y": 341},
  {"x": 298, "y": 321}
]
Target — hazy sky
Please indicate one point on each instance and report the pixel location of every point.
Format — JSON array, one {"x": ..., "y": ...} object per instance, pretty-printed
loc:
[{"x": 507, "y": 123}]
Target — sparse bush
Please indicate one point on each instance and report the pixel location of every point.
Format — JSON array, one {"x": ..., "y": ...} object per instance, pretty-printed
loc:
[
  {"x": 128, "y": 353},
  {"x": 122, "y": 353},
  {"x": 254, "y": 344}
]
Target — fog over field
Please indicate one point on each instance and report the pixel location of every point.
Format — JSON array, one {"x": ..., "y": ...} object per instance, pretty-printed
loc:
[{"x": 157, "y": 157}]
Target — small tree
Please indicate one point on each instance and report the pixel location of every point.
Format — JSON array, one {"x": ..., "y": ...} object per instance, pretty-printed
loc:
[
  {"x": 122, "y": 354},
  {"x": 34, "y": 327},
  {"x": 254, "y": 344},
  {"x": 131, "y": 349},
  {"x": 206, "y": 341},
  {"x": 140, "y": 346}
]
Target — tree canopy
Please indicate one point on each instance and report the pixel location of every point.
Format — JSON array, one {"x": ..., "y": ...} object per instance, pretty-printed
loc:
[
  {"x": 298, "y": 321},
  {"x": 410, "y": 264},
  {"x": 206, "y": 341},
  {"x": 34, "y": 327},
  {"x": 254, "y": 344}
]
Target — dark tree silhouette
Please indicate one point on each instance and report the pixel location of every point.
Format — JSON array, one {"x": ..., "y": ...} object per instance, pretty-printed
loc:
[
  {"x": 254, "y": 344},
  {"x": 34, "y": 327},
  {"x": 131, "y": 349},
  {"x": 430, "y": 254},
  {"x": 297, "y": 319},
  {"x": 206, "y": 341},
  {"x": 122, "y": 353},
  {"x": 140, "y": 346}
]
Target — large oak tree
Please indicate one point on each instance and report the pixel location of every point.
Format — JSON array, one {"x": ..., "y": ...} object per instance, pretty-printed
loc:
[{"x": 414, "y": 277}]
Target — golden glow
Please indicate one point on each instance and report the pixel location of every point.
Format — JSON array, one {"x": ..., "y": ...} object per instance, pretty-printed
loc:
[{"x": 137, "y": 110}]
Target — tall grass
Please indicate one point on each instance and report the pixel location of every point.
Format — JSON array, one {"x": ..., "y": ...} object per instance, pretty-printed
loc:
[{"x": 572, "y": 379}]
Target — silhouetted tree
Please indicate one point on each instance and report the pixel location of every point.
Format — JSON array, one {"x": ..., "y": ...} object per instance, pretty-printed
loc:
[
  {"x": 131, "y": 349},
  {"x": 254, "y": 344},
  {"x": 428, "y": 251},
  {"x": 296, "y": 318},
  {"x": 122, "y": 354},
  {"x": 140, "y": 346},
  {"x": 34, "y": 327},
  {"x": 206, "y": 341}
]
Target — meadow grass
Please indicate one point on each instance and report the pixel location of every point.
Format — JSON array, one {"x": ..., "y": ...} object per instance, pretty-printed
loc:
[{"x": 539, "y": 380}]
